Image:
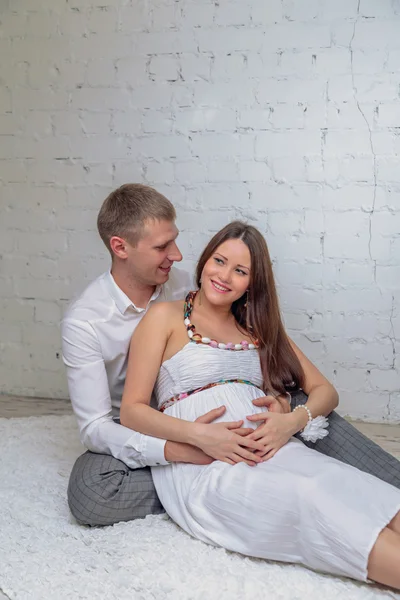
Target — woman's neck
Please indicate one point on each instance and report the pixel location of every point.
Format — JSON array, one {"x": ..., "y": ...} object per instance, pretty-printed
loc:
[{"x": 222, "y": 313}]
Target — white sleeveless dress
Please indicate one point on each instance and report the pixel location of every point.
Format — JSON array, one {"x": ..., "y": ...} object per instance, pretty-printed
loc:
[{"x": 298, "y": 507}]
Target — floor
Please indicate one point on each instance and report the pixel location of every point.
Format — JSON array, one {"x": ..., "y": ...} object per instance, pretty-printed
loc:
[{"x": 387, "y": 436}]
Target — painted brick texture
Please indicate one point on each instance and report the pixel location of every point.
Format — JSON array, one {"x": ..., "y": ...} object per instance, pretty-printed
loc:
[{"x": 283, "y": 113}]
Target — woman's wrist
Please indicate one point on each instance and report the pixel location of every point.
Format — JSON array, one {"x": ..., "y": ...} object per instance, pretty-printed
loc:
[
  {"x": 299, "y": 419},
  {"x": 193, "y": 433}
]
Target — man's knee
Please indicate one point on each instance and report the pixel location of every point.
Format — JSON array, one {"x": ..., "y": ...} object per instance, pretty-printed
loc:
[{"x": 103, "y": 490}]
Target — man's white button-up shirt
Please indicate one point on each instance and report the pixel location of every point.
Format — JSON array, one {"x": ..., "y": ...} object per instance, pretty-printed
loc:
[{"x": 96, "y": 332}]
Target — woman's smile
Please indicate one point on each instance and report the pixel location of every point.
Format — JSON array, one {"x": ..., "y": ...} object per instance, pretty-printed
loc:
[{"x": 222, "y": 289}]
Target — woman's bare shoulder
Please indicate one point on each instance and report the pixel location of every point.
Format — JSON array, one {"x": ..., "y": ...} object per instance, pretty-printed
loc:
[
  {"x": 164, "y": 310},
  {"x": 160, "y": 318}
]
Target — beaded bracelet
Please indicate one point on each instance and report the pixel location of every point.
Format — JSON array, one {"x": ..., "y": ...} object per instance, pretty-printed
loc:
[
  {"x": 316, "y": 429},
  {"x": 310, "y": 417}
]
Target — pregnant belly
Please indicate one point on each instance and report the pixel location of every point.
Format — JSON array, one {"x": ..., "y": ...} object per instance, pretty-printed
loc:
[
  {"x": 236, "y": 397},
  {"x": 175, "y": 482}
]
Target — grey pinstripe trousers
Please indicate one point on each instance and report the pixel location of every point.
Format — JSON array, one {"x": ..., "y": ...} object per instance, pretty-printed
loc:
[{"x": 103, "y": 490}]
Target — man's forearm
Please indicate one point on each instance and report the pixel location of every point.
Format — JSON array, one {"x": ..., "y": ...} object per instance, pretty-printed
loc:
[
  {"x": 179, "y": 452},
  {"x": 132, "y": 448}
]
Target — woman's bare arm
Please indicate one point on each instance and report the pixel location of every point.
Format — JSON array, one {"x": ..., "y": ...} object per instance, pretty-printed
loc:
[
  {"x": 276, "y": 429},
  {"x": 322, "y": 396},
  {"x": 146, "y": 351}
]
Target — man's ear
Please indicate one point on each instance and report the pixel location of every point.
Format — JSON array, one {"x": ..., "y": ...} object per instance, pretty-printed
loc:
[{"x": 118, "y": 247}]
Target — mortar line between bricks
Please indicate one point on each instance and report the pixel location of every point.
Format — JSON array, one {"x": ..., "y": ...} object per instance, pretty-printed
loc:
[
  {"x": 355, "y": 92},
  {"x": 4, "y": 594}
]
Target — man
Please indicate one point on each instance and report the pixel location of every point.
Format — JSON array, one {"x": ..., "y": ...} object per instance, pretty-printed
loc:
[{"x": 112, "y": 481}]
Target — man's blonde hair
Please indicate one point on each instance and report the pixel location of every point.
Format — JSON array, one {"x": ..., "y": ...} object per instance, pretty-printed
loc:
[{"x": 125, "y": 211}]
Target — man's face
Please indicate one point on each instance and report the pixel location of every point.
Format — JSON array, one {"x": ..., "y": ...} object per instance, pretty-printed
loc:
[{"x": 150, "y": 261}]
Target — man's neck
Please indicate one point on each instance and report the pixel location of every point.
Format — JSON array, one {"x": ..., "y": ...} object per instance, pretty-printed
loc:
[{"x": 138, "y": 292}]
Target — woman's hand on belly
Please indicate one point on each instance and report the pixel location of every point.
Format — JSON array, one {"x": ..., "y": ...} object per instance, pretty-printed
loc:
[
  {"x": 178, "y": 452},
  {"x": 224, "y": 443},
  {"x": 274, "y": 432}
]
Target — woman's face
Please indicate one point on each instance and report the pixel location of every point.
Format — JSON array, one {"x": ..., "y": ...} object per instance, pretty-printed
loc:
[{"x": 226, "y": 274}]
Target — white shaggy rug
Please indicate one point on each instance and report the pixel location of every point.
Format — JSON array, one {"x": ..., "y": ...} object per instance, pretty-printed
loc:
[{"x": 45, "y": 555}]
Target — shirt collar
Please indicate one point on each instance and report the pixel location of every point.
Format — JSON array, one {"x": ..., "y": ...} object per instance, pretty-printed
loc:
[{"x": 121, "y": 299}]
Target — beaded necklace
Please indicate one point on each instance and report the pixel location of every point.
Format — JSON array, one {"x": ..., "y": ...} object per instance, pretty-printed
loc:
[{"x": 197, "y": 338}]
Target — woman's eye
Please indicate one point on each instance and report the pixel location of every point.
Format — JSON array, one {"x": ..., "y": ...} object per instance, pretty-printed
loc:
[{"x": 218, "y": 260}]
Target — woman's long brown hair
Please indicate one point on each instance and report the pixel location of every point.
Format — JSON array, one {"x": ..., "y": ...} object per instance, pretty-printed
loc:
[{"x": 280, "y": 366}]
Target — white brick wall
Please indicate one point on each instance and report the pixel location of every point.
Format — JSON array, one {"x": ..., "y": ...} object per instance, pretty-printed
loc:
[{"x": 280, "y": 112}]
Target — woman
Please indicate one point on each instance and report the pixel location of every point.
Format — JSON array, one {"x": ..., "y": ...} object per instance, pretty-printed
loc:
[{"x": 266, "y": 494}]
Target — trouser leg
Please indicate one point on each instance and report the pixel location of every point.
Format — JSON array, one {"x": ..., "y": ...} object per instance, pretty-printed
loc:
[
  {"x": 352, "y": 447},
  {"x": 102, "y": 490}
]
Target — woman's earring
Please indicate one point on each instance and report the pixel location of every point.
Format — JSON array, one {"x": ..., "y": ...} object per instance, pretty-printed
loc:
[
  {"x": 247, "y": 315},
  {"x": 247, "y": 299}
]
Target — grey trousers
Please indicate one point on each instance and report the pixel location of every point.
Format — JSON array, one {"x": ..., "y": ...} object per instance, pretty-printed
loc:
[{"x": 103, "y": 490}]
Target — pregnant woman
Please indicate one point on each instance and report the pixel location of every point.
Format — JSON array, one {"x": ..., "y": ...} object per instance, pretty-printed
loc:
[{"x": 264, "y": 494}]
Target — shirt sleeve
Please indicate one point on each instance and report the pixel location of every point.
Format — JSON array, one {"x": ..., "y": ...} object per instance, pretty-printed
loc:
[{"x": 90, "y": 398}]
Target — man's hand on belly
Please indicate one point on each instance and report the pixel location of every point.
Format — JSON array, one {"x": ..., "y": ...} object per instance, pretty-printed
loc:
[{"x": 277, "y": 405}]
